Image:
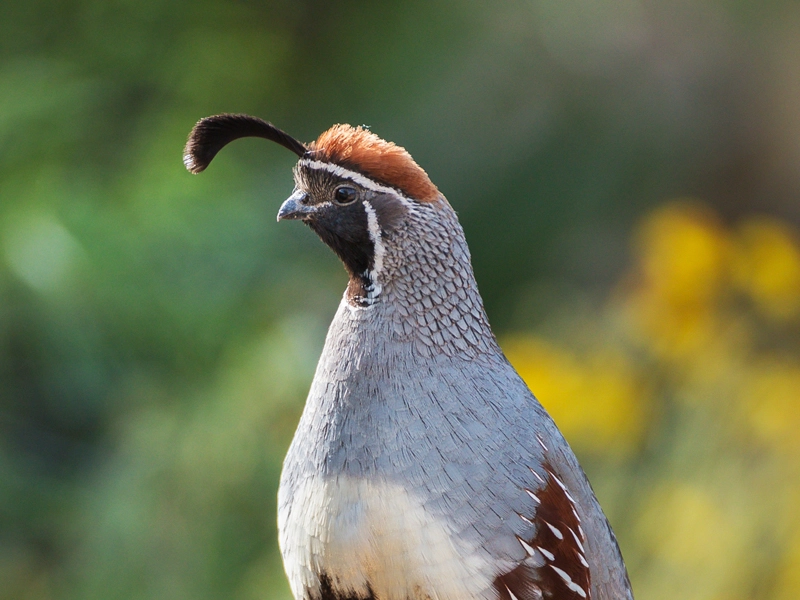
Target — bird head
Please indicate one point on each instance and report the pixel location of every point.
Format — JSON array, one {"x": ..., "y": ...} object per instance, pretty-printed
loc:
[{"x": 354, "y": 189}]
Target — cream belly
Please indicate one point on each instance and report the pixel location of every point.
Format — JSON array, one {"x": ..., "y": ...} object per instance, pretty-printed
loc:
[{"x": 374, "y": 536}]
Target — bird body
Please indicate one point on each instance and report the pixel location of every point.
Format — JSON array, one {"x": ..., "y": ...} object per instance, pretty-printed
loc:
[{"x": 422, "y": 466}]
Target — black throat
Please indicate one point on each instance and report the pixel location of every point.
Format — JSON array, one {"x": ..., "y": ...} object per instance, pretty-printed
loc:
[{"x": 347, "y": 234}]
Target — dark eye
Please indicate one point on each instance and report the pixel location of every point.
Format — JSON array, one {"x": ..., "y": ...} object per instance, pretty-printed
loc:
[{"x": 345, "y": 194}]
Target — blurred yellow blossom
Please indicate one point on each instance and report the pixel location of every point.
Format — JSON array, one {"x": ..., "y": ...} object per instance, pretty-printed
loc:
[
  {"x": 596, "y": 400},
  {"x": 766, "y": 266},
  {"x": 693, "y": 541},
  {"x": 787, "y": 584},
  {"x": 770, "y": 398},
  {"x": 718, "y": 477},
  {"x": 682, "y": 252}
]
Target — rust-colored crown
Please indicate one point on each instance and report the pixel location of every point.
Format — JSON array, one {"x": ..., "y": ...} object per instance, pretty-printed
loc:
[{"x": 360, "y": 150}]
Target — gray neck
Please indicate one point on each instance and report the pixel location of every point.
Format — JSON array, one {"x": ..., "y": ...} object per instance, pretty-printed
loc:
[
  {"x": 427, "y": 297},
  {"x": 435, "y": 324}
]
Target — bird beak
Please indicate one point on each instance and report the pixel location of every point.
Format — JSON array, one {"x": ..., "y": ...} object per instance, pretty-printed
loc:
[{"x": 295, "y": 207}]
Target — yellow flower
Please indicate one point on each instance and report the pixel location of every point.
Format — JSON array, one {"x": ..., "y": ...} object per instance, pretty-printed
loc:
[
  {"x": 693, "y": 541},
  {"x": 682, "y": 263},
  {"x": 683, "y": 251},
  {"x": 770, "y": 397},
  {"x": 596, "y": 401},
  {"x": 766, "y": 266},
  {"x": 787, "y": 580}
]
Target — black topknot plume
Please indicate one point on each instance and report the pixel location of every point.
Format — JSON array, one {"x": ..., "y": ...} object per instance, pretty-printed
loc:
[{"x": 211, "y": 134}]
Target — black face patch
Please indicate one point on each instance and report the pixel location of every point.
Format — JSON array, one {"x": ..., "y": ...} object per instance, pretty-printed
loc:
[{"x": 345, "y": 227}]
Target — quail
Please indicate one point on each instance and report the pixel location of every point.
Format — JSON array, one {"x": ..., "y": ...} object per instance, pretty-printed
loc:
[{"x": 422, "y": 466}]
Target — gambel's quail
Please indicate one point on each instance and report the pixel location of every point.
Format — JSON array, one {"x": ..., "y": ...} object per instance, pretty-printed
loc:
[{"x": 422, "y": 467}]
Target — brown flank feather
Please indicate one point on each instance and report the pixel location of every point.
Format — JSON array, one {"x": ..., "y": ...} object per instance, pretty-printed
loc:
[
  {"x": 360, "y": 150},
  {"x": 526, "y": 582}
]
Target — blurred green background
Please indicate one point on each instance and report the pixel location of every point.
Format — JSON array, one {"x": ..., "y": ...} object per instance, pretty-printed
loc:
[{"x": 627, "y": 173}]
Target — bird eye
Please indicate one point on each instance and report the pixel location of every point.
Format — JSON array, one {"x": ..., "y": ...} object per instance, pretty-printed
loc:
[{"x": 345, "y": 195}]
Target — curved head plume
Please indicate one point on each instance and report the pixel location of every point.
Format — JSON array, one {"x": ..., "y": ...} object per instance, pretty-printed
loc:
[
  {"x": 353, "y": 149},
  {"x": 211, "y": 134}
]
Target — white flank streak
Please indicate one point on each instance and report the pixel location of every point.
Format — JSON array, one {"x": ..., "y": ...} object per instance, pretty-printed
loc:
[
  {"x": 510, "y": 593},
  {"x": 535, "y": 474},
  {"x": 378, "y": 253},
  {"x": 548, "y": 555},
  {"x": 534, "y": 496},
  {"x": 568, "y": 580},
  {"x": 528, "y": 548},
  {"x": 541, "y": 443},
  {"x": 526, "y": 519},
  {"x": 577, "y": 541},
  {"x": 583, "y": 560},
  {"x": 566, "y": 491},
  {"x": 558, "y": 481},
  {"x": 358, "y": 178},
  {"x": 555, "y": 530}
]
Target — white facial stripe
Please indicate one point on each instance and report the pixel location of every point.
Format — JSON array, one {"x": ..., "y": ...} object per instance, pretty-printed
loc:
[
  {"x": 378, "y": 250},
  {"x": 358, "y": 178}
]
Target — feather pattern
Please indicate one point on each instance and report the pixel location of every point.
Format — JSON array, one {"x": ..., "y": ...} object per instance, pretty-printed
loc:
[
  {"x": 555, "y": 565},
  {"x": 211, "y": 134}
]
